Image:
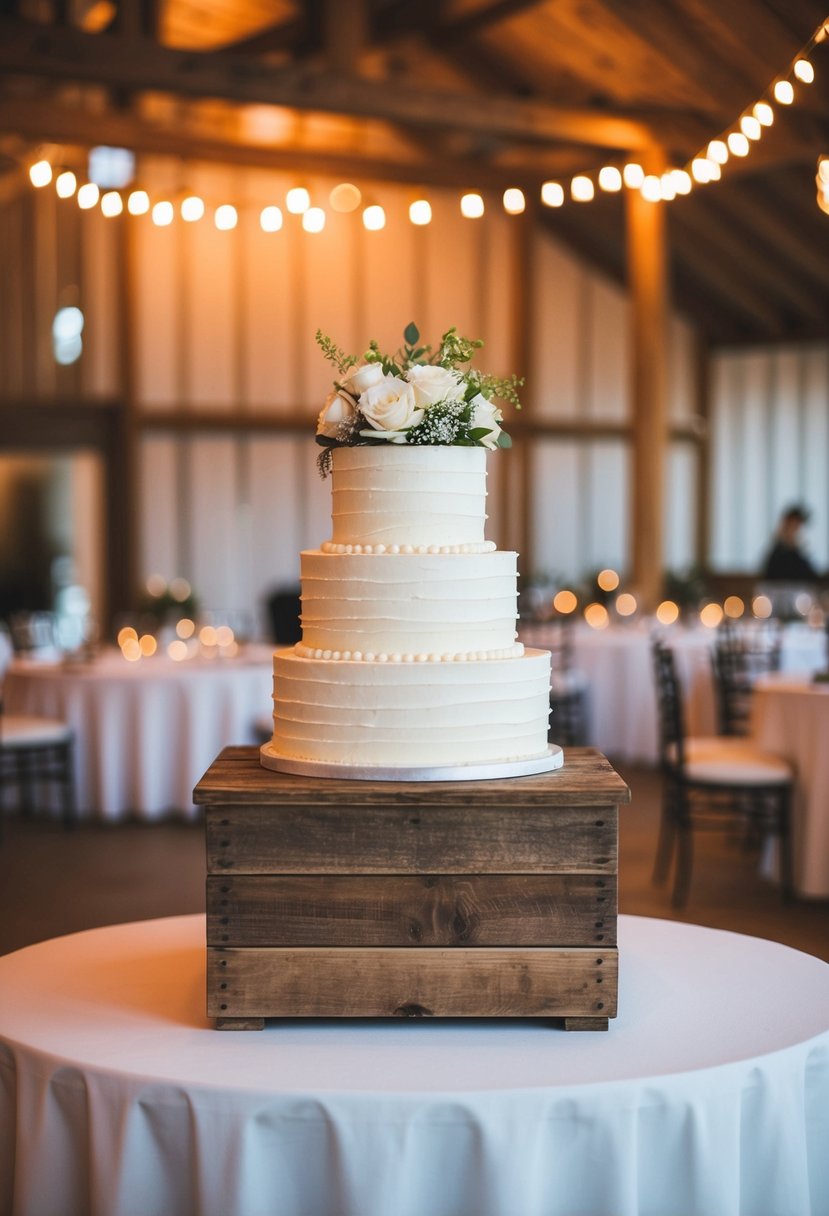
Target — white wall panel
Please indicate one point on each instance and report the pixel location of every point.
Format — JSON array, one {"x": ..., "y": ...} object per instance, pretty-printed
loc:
[
  {"x": 557, "y": 518},
  {"x": 455, "y": 257},
  {"x": 158, "y": 296},
  {"x": 101, "y": 259},
  {"x": 682, "y": 402},
  {"x": 816, "y": 456},
  {"x": 554, "y": 377},
  {"x": 212, "y": 260},
  {"x": 680, "y": 506},
  {"x": 270, "y": 298},
  {"x": 606, "y": 505},
  {"x": 608, "y": 371},
  {"x": 275, "y": 519},
  {"x": 217, "y": 562},
  {"x": 158, "y": 535}
]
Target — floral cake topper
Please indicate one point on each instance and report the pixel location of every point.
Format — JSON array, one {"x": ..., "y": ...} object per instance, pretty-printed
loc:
[{"x": 415, "y": 396}]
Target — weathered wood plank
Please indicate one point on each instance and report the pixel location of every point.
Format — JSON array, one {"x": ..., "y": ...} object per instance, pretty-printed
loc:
[
  {"x": 407, "y": 911},
  {"x": 361, "y": 839},
  {"x": 411, "y": 983},
  {"x": 586, "y": 779}
]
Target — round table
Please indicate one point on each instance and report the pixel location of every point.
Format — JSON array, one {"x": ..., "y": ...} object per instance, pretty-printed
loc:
[
  {"x": 708, "y": 1096},
  {"x": 790, "y": 716},
  {"x": 145, "y": 732}
]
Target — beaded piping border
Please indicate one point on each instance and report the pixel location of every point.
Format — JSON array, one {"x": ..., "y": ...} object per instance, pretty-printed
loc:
[
  {"x": 369, "y": 656},
  {"x": 486, "y": 546}
]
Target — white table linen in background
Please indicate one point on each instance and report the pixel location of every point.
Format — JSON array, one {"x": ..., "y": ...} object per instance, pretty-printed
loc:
[
  {"x": 146, "y": 732},
  {"x": 709, "y": 1095},
  {"x": 621, "y": 717},
  {"x": 790, "y": 716}
]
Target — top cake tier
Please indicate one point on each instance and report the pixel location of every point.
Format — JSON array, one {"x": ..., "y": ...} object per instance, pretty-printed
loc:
[{"x": 388, "y": 497}]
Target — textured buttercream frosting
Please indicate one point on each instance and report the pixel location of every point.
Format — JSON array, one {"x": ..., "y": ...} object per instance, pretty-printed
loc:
[
  {"x": 424, "y": 714},
  {"x": 399, "y": 495},
  {"x": 399, "y": 604}
]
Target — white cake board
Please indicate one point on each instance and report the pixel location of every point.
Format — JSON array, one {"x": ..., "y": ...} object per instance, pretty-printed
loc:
[{"x": 551, "y": 759}]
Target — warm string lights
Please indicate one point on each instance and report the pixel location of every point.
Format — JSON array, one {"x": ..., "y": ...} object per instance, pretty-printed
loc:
[{"x": 707, "y": 166}]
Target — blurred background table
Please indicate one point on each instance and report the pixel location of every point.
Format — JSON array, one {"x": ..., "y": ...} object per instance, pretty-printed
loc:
[
  {"x": 620, "y": 699},
  {"x": 708, "y": 1094},
  {"x": 790, "y": 716},
  {"x": 145, "y": 731}
]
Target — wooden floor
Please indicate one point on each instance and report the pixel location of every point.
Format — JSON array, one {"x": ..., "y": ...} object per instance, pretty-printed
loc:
[{"x": 54, "y": 882}]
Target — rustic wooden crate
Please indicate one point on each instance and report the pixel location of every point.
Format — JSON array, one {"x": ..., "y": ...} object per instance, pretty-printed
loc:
[{"x": 334, "y": 898}]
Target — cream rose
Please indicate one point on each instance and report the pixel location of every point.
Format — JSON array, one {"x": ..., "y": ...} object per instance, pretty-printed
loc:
[
  {"x": 358, "y": 379},
  {"x": 485, "y": 414},
  {"x": 339, "y": 407},
  {"x": 390, "y": 406},
  {"x": 432, "y": 384}
]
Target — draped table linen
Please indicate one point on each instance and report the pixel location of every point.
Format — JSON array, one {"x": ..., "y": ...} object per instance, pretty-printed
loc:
[
  {"x": 708, "y": 1096},
  {"x": 146, "y": 731},
  {"x": 790, "y": 716}
]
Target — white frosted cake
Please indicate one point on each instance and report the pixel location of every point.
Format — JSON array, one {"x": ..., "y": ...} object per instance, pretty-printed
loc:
[{"x": 408, "y": 655}]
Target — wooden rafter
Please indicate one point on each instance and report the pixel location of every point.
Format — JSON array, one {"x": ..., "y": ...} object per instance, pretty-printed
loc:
[{"x": 133, "y": 63}]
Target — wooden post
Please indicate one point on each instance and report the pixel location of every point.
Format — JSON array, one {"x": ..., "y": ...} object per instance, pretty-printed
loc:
[{"x": 647, "y": 277}]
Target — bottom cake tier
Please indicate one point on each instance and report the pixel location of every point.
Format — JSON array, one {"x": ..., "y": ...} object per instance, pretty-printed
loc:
[{"x": 421, "y": 713}]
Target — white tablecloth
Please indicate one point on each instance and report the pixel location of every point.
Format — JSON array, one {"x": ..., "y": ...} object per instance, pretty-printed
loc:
[
  {"x": 790, "y": 716},
  {"x": 621, "y": 717},
  {"x": 709, "y": 1095},
  {"x": 146, "y": 732}
]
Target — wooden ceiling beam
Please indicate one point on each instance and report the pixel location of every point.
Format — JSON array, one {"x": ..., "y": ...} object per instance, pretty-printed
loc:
[
  {"x": 139, "y": 64},
  {"x": 44, "y": 121}
]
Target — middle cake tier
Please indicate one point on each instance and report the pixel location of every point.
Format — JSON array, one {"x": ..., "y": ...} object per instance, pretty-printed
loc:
[{"x": 419, "y": 604}]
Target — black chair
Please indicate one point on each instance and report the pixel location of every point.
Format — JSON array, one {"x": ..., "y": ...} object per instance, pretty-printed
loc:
[
  {"x": 35, "y": 753},
  {"x": 284, "y": 608},
  {"x": 568, "y": 685},
  {"x": 742, "y": 653},
  {"x": 718, "y": 783}
]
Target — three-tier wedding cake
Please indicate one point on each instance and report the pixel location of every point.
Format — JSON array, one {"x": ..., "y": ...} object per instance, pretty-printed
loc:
[{"x": 408, "y": 658}]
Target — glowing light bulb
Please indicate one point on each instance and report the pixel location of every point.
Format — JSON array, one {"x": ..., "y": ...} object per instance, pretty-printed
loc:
[
  {"x": 607, "y": 579},
  {"x": 270, "y": 219},
  {"x": 40, "y": 174},
  {"x": 751, "y": 126},
  {"x": 711, "y": 616},
  {"x": 313, "y": 220},
  {"x": 420, "y": 212},
  {"x": 763, "y": 113},
  {"x": 804, "y": 71},
  {"x": 784, "y": 92},
  {"x": 162, "y": 214},
  {"x": 582, "y": 189},
  {"x": 345, "y": 197},
  {"x": 514, "y": 202},
  {"x": 88, "y": 196},
  {"x": 633, "y": 175},
  {"x": 597, "y": 616},
  {"x": 610, "y": 179},
  {"x": 147, "y": 644},
  {"x": 565, "y": 601},
  {"x": 111, "y": 204},
  {"x": 374, "y": 218},
  {"x": 472, "y": 206},
  {"x": 667, "y": 189},
  {"x": 667, "y": 612},
  {"x": 138, "y": 202},
  {"x": 297, "y": 200},
  {"x": 701, "y": 168},
  {"x": 717, "y": 152},
  {"x": 226, "y": 217},
  {"x": 66, "y": 184},
  {"x": 651, "y": 188},
  {"x": 733, "y": 606},
  {"x": 738, "y": 144},
  {"x": 762, "y": 606},
  {"x": 192, "y": 208},
  {"x": 626, "y": 604},
  {"x": 552, "y": 194},
  {"x": 716, "y": 171}
]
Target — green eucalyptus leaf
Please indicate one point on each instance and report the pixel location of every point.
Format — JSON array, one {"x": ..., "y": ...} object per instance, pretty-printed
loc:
[
  {"x": 411, "y": 334},
  {"x": 504, "y": 440},
  {"x": 480, "y": 432}
]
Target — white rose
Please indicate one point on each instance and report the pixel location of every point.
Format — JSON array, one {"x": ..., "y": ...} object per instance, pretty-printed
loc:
[
  {"x": 357, "y": 379},
  {"x": 390, "y": 405},
  {"x": 485, "y": 414},
  {"x": 339, "y": 407},
  {"x": 432, "y": 384}
]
